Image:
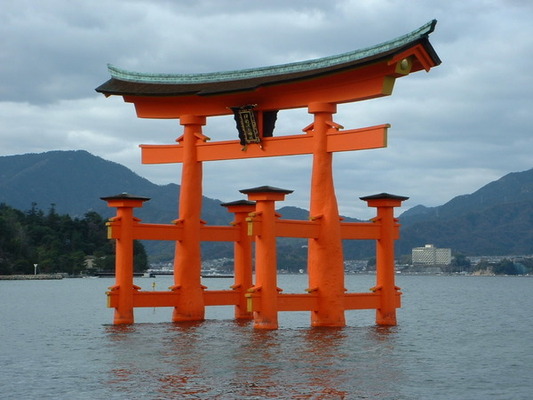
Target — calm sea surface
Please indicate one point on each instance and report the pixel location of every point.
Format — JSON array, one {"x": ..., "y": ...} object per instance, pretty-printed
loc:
[{"x": 457, "y": 338}]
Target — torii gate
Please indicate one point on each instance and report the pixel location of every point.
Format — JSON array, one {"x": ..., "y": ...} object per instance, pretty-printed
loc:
[{"x": 255, "y": 96}]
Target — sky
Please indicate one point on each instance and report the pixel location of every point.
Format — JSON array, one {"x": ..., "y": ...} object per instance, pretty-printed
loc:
[{"x": 467, "y": 122}]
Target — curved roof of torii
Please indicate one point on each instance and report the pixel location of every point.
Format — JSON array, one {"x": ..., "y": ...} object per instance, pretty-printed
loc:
[{"x": 127, "y": 83}]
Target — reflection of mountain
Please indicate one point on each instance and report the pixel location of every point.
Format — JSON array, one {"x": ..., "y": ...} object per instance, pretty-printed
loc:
[{"x": 496, "y": 219}]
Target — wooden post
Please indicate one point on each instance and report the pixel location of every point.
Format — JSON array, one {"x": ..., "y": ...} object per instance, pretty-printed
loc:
[
  {"x": 124, "y": 204},
  {"x": 242, "y": 255},
  {"x": 266, "y": 317},
  {"x": 325, "y": 257},
  {"x": 385, "y": 285},
  {"x": 187, "y": 262}
]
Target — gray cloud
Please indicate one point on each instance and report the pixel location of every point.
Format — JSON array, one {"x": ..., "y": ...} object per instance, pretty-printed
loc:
[{"x": 462, "y": 125}]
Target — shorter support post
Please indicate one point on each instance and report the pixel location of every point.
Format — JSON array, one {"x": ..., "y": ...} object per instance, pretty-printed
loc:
[
  {"x": 242, "y": 255},
  {"x": 385, "y": 285},
  {"x": 124, "y": 203},
  {"x": 266, "y": 317}
]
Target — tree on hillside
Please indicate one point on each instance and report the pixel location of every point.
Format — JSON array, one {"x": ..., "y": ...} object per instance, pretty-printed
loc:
[
  {"x": 505, "y": 267},
  {"x": 57, "y": 243},
  {"x": 460, "y": 264}
]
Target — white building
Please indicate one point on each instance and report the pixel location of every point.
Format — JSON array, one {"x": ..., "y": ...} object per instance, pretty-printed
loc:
[{"x": 431, "y": 255}]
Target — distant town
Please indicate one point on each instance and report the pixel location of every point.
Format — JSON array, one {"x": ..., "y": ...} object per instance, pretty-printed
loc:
[{"x": 427, "y": 259}]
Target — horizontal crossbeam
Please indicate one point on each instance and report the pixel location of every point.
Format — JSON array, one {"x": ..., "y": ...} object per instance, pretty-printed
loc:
[
  {"x": 174, "y": 232},
  {"x": 356, "y": 139},
  {"x": 310, "y": 301},
  {"x": 285, "y": 301},
  {"x": 360, "y": 230},
  {"x": 171, "y": 298},
  {"x": 283, "y": 228}
]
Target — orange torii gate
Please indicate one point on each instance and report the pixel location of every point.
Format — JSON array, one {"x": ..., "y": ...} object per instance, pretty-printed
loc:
[{"x": 254, "y": 97}]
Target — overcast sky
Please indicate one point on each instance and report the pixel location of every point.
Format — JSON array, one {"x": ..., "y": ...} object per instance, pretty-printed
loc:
[{"x": 465, "y": 123}]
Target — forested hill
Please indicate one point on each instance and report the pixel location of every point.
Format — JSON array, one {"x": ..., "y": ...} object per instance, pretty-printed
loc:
[
  {"x": 56, "y": 243},
  {"x": 497, "y": 219},
  {"x": 74, "y": 181},
  {"x": 513, "y": 188}
]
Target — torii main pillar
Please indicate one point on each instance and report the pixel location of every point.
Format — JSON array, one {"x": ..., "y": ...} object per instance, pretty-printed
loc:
[
  {"x": 188, "y": 260},
  {"x": 325, "y": 257}
]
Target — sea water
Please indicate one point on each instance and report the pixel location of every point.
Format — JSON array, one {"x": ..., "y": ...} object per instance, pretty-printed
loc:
[{"x": 458, "y": 337}]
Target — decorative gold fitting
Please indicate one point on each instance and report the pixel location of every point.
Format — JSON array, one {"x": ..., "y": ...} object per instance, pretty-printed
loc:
[
  {"x": 404, "y": 66},
  {"x": 254, "y": 289}
]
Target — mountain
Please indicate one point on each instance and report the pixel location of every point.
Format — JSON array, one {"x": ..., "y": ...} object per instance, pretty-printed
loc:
[
  {"x": 497, "y": 219},
  {"x": 74, "y": 181},
  {"x": 512, "y": 188}
]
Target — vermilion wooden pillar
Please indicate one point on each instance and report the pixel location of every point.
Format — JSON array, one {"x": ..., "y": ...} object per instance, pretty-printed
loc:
[
  {"x": 265, "y": 254},
  {"x": 187, "y": 261},
  {"x": 385, "y": 285},
  {"x": 124, "y": 204},
  {"x": 242, "y": 255},
  {"x": 325, "y": 259}
]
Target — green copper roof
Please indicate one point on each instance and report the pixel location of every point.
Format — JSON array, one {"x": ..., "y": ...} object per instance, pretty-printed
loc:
[{"x": 285, "y": 69}]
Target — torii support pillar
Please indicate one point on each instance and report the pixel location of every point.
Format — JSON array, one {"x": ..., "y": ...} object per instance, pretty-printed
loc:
[
  {"x": 242, "y": 254},
  {"x": 265, "y": 254},
  {"x": 325, "y": 257},
  {"x": 385, "y": 285},
  {"x": 187, "y": 261},
  {"x": 124, "y": 203}
]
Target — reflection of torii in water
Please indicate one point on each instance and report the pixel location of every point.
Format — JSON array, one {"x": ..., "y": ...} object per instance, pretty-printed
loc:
[{"x": 255, "y": 96}]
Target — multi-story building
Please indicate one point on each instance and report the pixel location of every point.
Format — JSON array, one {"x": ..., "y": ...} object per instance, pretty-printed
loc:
[{"x": 431, "y": 255}]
